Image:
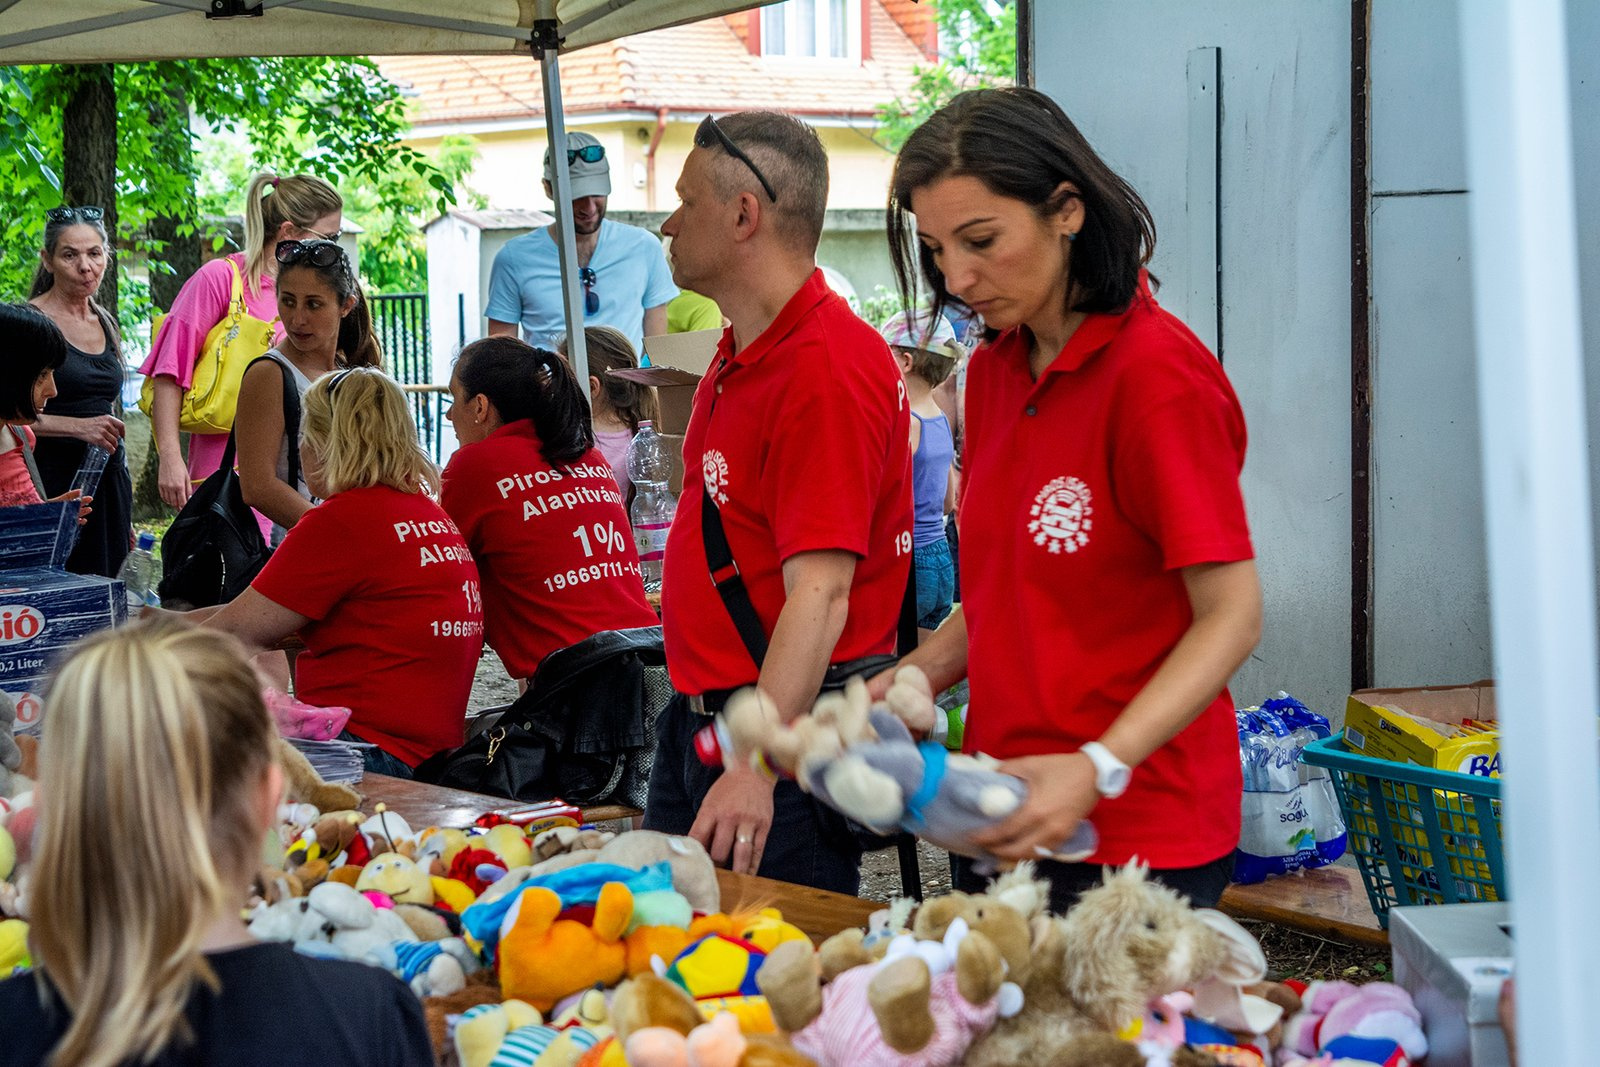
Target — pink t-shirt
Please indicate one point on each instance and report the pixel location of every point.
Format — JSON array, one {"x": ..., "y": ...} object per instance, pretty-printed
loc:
[
  {"x": 199, "y": 306},
  {"x": 16, "y": 484},
  {"x": 614, "y": 444}
]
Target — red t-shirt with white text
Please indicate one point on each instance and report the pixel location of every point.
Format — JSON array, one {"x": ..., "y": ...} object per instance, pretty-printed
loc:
[
  {"x": 397, "y": 616},
  {"x": 553, "y": 545},
  {"x": 1084, "y": 494},
  {"x": 808, "y": 449}
]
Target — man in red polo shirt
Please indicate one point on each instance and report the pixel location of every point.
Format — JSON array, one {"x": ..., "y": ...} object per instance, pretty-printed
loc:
[{"x": 800, "y": 433}]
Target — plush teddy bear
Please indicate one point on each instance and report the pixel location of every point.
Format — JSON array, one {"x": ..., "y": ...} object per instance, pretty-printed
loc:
[
  {"x": 305, "y": 784},
  {"x": 11, "y": 780},
  {"x": 922, "y": 1006},
  {"x": 1092, "y": 972},
  {"x": 658, "y": 1025},
  {"x": 861, "y": 759}
]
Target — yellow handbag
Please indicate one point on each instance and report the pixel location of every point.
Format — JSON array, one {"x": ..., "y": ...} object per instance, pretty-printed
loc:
[{"x": 213, "y": 394}]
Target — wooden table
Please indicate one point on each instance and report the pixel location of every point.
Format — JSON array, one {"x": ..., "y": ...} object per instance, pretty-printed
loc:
[
  {"x": 816, "y": 911},
  {"x": 435, "y": 805},
  {"x": 1328, "y": 902}
]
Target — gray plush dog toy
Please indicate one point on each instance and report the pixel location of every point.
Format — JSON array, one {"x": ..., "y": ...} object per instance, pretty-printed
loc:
[{"x": 862, "y": 760}]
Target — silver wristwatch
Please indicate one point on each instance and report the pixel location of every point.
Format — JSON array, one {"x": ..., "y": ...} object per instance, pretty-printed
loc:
[{"x": 1111, "y": 775}]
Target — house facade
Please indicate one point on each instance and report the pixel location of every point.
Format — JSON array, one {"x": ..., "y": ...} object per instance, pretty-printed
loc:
[{"x": 831, "y": 62}]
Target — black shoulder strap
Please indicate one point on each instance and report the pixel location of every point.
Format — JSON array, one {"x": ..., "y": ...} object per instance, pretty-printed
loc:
[
  {"x": 729, "y": 582},
  {"x": 291, "y": 420}
]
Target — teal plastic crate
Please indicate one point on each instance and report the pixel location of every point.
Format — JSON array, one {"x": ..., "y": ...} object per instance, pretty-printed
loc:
[{"x": 1419, "y": 835}]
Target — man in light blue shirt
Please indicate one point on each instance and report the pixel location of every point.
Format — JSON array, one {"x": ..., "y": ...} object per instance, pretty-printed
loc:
[{"x": 624, "y": 273}]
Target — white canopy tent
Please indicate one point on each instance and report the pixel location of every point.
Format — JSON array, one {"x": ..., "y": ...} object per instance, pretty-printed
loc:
[{"x": 127, "y": 31}]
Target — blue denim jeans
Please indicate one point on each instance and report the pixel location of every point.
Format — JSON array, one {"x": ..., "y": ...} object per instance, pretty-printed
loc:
[
  {"x": 809, "y": 843},
  {"x": 378, "y": 761},
  {"x": 936, "y": 582}
]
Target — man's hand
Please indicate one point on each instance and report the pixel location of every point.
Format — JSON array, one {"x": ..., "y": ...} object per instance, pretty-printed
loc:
[
  {"x": 734, "y": 819},
  {"x": 83, "y": 503}
]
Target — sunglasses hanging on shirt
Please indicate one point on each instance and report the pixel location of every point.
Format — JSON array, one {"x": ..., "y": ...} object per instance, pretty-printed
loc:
[{"x": 591, "y": 299}]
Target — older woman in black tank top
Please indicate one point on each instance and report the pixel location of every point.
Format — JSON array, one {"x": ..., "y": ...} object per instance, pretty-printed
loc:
[{"x": 86, "y": 411}]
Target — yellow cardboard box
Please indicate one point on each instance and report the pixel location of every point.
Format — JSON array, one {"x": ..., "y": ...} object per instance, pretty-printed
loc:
[{"x": 1449, "y": 728}]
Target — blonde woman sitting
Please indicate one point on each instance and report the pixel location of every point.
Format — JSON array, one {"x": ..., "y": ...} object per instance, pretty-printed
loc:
[
  {"x": 157, "y": 786},
  {"x": 375, "y": 579}
]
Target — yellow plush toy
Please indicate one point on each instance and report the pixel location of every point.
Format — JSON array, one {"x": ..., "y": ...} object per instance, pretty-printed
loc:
[
  {"x": 399, "y": 877},
  {"x": 14, "y": 956}
]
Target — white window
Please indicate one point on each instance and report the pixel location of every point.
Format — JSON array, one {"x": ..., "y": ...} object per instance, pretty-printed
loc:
[{"x": 829, "y": 29}]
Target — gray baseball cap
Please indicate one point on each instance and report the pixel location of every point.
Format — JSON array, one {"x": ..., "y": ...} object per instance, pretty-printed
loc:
[{"x": 591, "y": 173}]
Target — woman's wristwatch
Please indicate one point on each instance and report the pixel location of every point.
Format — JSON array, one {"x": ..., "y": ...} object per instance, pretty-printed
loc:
[{"x": 1111, "y": 775}]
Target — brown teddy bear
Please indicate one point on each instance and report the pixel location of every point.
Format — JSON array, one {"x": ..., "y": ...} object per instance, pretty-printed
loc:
[
  {"x": 1092, "y": 972},
  {"x": 656, "y": 1021}
]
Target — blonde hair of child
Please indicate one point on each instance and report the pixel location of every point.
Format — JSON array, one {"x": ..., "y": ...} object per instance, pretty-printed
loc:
[
  {"x": 359, "y": 423},
  {"x": 156, "y": 734},
  {"x": 270, "y": 202},
  {"x": 608, "y": 348}
]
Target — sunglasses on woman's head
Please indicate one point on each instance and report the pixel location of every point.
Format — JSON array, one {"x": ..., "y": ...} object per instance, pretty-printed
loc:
[
  {"x": 316, "y": 253},
  {"x": 591, "y": 299},
  {"x": 75, "y": 214}
]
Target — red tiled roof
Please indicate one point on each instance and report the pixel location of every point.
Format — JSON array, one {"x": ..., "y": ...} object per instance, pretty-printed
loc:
[{"x": 700, "y": 67}]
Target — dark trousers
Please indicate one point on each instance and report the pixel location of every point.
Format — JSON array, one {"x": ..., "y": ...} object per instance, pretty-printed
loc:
[
  {"x": 1202, "y": 885},
  {"x": 378, "y": 761},
  {"x": 808, "y": 844}
]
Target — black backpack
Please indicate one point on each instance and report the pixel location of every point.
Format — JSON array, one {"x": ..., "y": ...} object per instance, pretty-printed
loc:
[{"x": 214, "y": 549}]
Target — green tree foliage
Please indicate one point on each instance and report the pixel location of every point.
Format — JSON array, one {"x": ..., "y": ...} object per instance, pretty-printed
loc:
[
  {"x": 978, "y": 45},
  {"x": 335, "y": 117}
]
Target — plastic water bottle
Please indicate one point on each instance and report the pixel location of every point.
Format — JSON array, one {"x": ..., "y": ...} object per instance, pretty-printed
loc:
[
  {"x": 140, "y": 574},
  {"x": 650, "y": 468}
]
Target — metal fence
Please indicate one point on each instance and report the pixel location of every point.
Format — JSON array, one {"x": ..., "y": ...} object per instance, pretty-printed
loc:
[{"x": 401, "y": 321}]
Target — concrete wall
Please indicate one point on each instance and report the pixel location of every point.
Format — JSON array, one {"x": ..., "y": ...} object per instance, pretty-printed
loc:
[
  {"x": 1284, "y": 258},
  {"x": 1284, "y": 210}
]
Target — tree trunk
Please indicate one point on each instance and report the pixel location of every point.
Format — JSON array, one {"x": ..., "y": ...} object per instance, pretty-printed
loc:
[
  {"x": 89, "y": 154},
  {"x": 169, "y": 118}
]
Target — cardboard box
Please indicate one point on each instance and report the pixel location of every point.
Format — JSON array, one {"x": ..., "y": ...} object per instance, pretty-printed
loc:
[
  {"x": 43, "y": 609},
  {"x": 677, "y": 362},
  {"x": 1429, "y": 727}
]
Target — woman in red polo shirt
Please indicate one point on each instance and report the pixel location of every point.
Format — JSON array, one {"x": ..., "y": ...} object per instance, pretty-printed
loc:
[
  {"x": 375, "y": 579},
  {"x": 538, "y": 505},
  {"x": 1107, "y": 578}
]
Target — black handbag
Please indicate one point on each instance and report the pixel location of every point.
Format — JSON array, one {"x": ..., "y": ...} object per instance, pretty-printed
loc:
[
  {"x": 584, "y": 731},
  {"x": 214, "y": 549}
]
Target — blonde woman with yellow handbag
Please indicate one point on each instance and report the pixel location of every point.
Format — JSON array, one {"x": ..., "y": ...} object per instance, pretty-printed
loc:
[{"x": 226, "y": 315}]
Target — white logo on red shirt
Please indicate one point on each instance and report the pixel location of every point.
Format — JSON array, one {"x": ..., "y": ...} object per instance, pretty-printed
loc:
[
  {"x": 714, "y": 469},
  {"x": 1061, "y": 515}
]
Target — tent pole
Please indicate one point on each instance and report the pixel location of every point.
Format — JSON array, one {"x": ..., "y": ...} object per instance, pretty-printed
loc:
[
  {"x": 1536, "y": 494},
  {"x": 546, "y": 44}
]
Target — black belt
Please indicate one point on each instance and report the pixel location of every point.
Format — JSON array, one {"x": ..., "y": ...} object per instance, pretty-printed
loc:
[{"x": 713, "y": 701}]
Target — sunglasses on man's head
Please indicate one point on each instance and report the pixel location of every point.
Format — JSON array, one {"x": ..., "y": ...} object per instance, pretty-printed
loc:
[
  {"x": 709, "y": 135},
  {"x": 316, "y": 253},
  {"x": 591, "y": 299},
  {"x": 589, "y": 153},
  {"x": 75, "y": 214}
]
